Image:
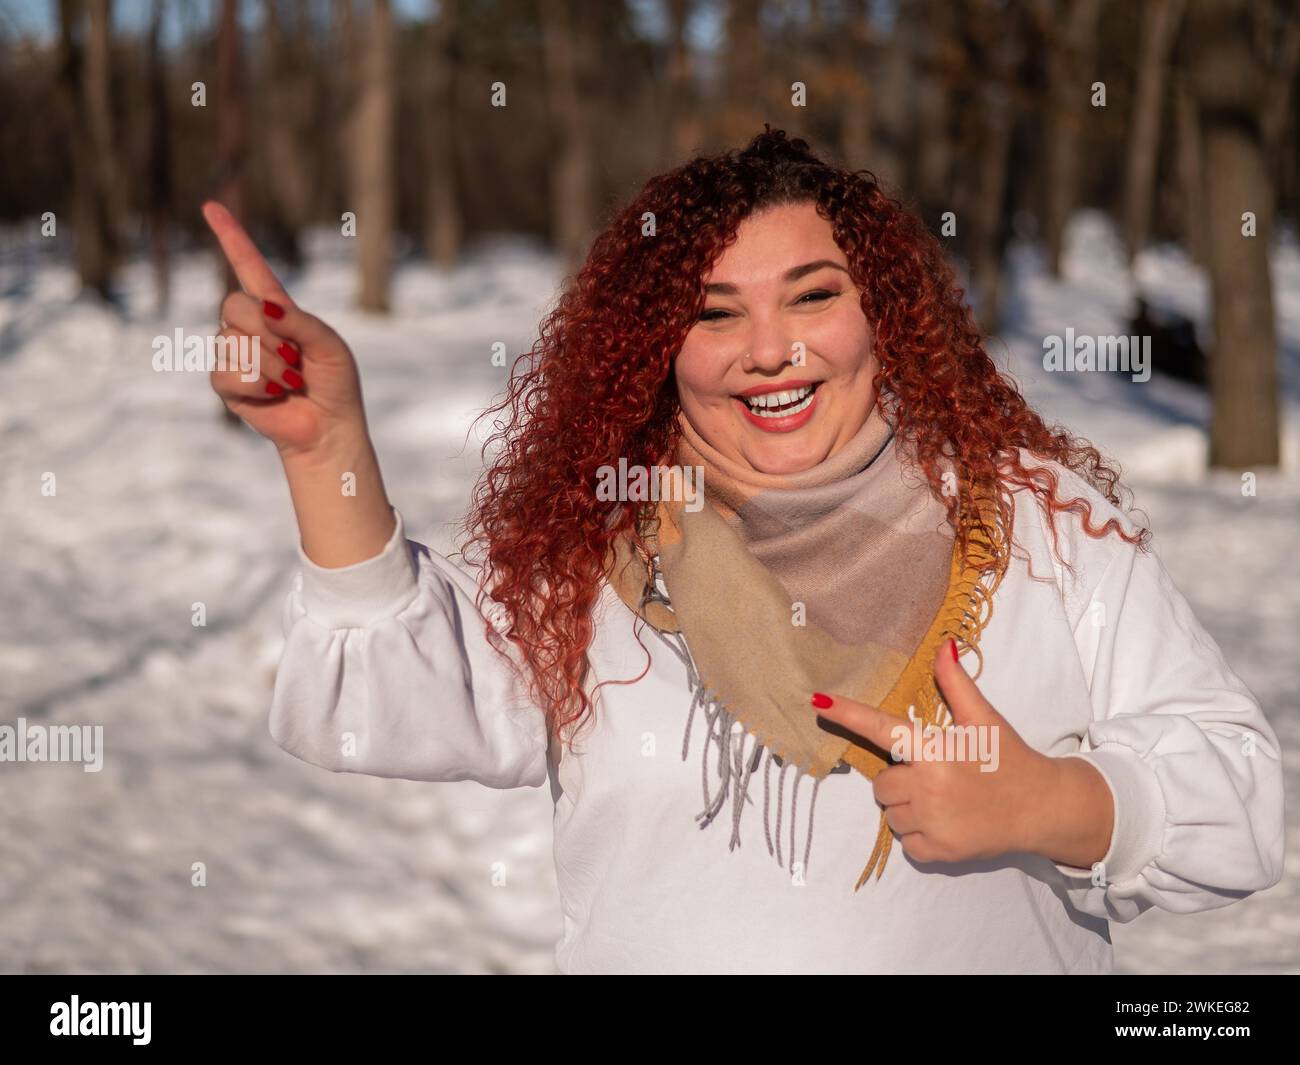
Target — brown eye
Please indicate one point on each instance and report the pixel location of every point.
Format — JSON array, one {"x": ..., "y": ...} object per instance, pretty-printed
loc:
[{"x": 819, "y": 295}]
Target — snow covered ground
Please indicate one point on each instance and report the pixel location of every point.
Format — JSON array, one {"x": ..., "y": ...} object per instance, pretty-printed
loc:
[{"x": 160, "y": 505}]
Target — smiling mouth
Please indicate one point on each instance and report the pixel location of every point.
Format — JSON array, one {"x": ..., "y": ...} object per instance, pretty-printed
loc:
[{"x": 780, "y": 404}]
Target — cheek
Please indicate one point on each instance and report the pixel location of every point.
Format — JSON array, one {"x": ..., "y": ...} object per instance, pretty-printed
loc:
[
  {"x": 699, "y": 366},
  {"x": 844, "y": 343}
]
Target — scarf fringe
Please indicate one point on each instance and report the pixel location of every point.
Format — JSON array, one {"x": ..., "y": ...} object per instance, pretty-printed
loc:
[{"x": 735, "y": 770}]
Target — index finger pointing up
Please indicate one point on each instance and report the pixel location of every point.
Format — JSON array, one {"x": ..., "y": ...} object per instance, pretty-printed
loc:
[{"x": 250, "y": 267}]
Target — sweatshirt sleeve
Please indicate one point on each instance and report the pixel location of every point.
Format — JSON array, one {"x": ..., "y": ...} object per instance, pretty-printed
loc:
[
  {"x": 387, "y": 671},
  {"x": 1192, "y": 764}
]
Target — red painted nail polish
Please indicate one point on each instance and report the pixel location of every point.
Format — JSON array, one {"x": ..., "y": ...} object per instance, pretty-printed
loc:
[
  {"x": 952, "y": 646},
  {"x": 292, "y": 379},
  {"x": 272, "y": 389},
  {"x": 272, "y": 310},
  {"x": 821, "y": 701},
  {"x": 288, "y": 353}
]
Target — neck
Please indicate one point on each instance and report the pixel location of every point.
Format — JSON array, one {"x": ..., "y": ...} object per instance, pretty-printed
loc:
[{"x": 857, "y": 453}]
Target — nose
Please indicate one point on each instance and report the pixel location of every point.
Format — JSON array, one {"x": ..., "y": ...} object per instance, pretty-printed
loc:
[{"x": 770, "y": 347}]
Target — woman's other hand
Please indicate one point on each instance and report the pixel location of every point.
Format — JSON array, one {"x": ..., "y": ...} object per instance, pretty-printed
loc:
[{"x": 976, "y": 789}]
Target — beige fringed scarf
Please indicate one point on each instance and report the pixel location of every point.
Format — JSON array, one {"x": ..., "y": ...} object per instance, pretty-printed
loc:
[{"x": 843, "y": 578}]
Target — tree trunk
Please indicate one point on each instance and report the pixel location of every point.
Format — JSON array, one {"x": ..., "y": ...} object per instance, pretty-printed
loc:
[
  {"x": 232, "y": 135},
  {"x": 745, "y": 85},
  {"x": 999, "y": 33},
  {"x": 372, "y": 139},
  {"x": 442, "y": 220},
  {"x": 1190, "y": 184},
  {"x": 1281, "y": 86},
  {"x": 159, "y": 211},
  {"x": 1159, "y": 24},
  {"x": 1071, "y": 63},
  {"x": 1229, "y": 88},
  {"x": 568, "y": 47},
  {"x": 934, "y": 106},
  {"x": 857, "y": 47},
  {"x": 892, "y": 98},
  {"x": 289, "y": 96},
  {"x": 83, "y": 72},
  {"x": 683, "y": 132},
  {"x": 105, "y": 150}
]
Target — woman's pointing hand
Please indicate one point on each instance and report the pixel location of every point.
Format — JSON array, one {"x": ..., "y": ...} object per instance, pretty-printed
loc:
[
  {"x": 308, "y": 391},
  {"x": 313, "y": 413}
]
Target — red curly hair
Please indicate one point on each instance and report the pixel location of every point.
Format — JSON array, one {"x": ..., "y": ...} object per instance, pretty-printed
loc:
[{"x": 598, "y": 386}]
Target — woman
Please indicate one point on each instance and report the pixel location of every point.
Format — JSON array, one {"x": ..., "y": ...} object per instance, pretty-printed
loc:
[{"x": 760, "y": 429}]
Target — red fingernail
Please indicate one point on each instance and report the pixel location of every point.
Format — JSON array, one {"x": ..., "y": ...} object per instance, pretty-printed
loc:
[
  {"x": 952, "y": 646},
  {"x": 821, "y": 701},
  {"x": 292, "y": 379},
  {"x": 272, "y": 310},
  {"x": 272, "y": 389},
  {"x": 288, "y": 353}
]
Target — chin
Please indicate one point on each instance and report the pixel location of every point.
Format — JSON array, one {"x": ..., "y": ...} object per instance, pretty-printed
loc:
[{"x": 786, "y": 456}]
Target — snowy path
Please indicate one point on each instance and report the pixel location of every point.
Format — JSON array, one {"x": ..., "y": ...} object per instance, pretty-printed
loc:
[{"x": 160, "y": 505}]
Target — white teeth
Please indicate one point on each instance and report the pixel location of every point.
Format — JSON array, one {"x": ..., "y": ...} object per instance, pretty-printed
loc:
[{"x": 765, "y": 405}]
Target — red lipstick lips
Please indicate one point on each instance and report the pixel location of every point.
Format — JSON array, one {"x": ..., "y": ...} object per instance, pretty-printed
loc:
[{"x": 780, "y": 423}]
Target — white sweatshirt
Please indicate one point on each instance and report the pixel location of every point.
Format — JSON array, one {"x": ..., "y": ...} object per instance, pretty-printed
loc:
[{"x": 387, "y": 671}]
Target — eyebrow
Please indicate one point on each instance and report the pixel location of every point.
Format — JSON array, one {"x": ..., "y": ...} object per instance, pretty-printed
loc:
[{"x": 725, "y": 288}]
